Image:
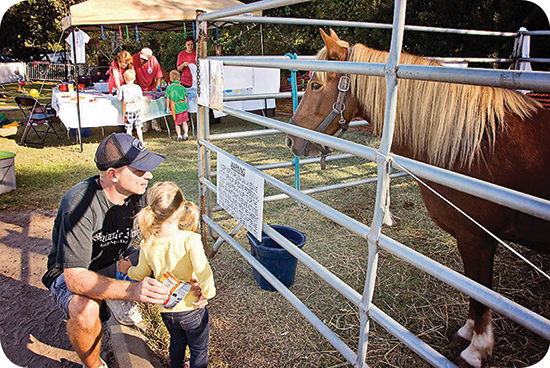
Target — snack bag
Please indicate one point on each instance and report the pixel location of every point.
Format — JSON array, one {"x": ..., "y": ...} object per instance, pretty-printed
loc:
[{"x": 178, "y": 289}]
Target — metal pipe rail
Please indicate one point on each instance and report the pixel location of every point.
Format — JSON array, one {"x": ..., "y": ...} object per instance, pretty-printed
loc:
[
  {"x": 326, "y": 188},
  {"x": 397, "y": 330},
  {"x": 539, "y": 81},
  {"x": 260, "y": 96},
  {"x": 212, "y": 187},
  {"x": 506, "y": 307},
  {"x": 258, "y": 132},
  {"x": 469, "y": 59},
  {"x": 535, "y": 60},
  {"x": 495, "y": 301},
  {"x": 391, "y": 71},
  {"x": 249, "y": 8},
  {"x": 332, "y": 338},
  {"x": 413, "y": 342},
  {"x": 507, "y": 197},
  {"x": 355, "y": 24},
  {"x": 536, "y": 33},
  {"x": 307, "y": 161},
  {"x": 244, "y": 134}
]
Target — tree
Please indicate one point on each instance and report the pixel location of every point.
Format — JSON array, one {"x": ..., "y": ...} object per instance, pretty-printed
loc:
[
  {"x": 36, "y": 25},
  {"x": 496, "y": 15},
  {"x": 32, "y": 26}
]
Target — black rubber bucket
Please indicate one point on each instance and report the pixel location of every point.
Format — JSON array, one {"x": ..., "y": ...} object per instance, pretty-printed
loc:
[{"x": 275, "y": 258}]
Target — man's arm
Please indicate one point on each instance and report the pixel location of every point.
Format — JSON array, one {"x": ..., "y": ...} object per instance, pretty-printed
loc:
[{"x": 91, "y": 284}]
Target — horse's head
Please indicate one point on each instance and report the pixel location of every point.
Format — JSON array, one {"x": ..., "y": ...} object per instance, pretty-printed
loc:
[{"x": 327, "y": 105}]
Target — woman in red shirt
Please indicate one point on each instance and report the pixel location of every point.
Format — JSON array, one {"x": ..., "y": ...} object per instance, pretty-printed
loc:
[
  {"x": 122, "y": 63},
  {"x": 186, "y": 57}
]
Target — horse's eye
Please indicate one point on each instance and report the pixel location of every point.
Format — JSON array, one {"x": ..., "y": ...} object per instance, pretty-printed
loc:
[{"x": 315, "y": 86}]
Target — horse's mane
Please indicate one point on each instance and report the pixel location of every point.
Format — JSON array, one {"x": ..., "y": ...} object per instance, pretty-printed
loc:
[{"x": 443, "y": 122}]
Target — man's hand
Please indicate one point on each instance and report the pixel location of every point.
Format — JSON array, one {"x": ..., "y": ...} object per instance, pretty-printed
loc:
[
  {"x": 123, "y": 265},
  {"x": 149, "y": 291}
]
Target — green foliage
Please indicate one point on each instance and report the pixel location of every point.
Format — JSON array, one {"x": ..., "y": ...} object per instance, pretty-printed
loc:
[
  {"x": 32, "y": 26},
  {"x": 36, "y": 24}
]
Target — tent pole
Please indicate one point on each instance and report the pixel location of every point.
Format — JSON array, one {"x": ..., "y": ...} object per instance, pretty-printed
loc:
[{"x": 76, "y": 87}]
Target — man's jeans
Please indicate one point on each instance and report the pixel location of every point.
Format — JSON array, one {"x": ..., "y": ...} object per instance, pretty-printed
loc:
[{"x": 188, "y": 328}]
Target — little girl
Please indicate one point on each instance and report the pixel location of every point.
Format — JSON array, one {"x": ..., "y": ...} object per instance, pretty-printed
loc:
[
  {"x": 131, "y": 96},
  {"x": 20, "y": 82},
  {"x": 170, "y": 245}
]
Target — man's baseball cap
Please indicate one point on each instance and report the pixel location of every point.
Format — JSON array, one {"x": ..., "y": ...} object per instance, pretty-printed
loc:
[
  {"x": 145, "y": 53},
  {"x": 121, "y": 149}
]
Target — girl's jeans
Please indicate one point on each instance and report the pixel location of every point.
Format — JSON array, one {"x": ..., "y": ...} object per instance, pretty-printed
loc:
[{"x": 188, "y": 329}]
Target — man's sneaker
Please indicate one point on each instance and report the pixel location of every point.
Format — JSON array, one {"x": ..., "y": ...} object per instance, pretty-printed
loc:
[
  {"x": 185, "y": 137},
  {"x": 125, "y": 312},
  {"x": 180, "y": 138}
]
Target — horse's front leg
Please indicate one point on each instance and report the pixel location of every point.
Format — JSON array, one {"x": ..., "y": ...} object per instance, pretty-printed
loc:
[{"x": 478, "y": 329}]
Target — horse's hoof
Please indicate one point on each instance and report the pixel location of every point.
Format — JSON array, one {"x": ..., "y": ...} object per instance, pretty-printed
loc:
[
  {"x": 462, "y": 363},
  {"x": 459, "y": 342}
]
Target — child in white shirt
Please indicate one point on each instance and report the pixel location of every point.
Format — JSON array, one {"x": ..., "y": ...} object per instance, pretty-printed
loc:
[{"x": 131, "y": 96}]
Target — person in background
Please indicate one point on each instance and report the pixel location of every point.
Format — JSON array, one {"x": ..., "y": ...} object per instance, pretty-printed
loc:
[
  {"x": 117, "y": 69},
  {"x": 20, "y": 82},
  {"x": 148, "y": 75},
  {"x": 93, "y": 229},
  {"x": 171, "y": 248},
  {"x": 131, "y": 96},
  {"x": 186, "y": 57},
  {"x": 176, "y": 104}
]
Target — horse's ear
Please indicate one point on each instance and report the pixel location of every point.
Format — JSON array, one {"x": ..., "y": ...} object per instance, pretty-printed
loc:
[
  {"x": 335, "y": 51},
  {"x": 334, "y": 36}
]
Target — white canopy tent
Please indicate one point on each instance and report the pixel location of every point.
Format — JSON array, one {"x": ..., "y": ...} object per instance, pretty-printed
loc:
[{"x": 148, "y": 15}]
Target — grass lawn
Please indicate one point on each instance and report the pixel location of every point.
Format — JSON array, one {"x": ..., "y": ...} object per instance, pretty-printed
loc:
[{"x": 251, "y": 327}]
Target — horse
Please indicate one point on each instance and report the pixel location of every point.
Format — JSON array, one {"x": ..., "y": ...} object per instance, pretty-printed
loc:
[{"x": 493, "y": 134}]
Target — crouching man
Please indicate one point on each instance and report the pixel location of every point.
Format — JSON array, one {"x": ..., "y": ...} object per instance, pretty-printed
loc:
[{"x": 93, "y": 229}]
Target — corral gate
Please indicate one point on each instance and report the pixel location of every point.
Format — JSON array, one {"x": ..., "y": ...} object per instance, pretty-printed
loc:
[{"x": 391, "y": 71}]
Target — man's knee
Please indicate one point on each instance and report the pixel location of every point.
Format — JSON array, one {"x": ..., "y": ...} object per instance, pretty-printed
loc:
[{"x": 84, "y": 311}]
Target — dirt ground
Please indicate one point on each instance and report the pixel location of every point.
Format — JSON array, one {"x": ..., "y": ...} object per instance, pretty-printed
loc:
[{"x": 32, "y": 330}]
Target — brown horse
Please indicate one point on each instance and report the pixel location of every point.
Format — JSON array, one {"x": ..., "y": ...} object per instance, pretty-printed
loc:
[{"x": 493, "y": 134}]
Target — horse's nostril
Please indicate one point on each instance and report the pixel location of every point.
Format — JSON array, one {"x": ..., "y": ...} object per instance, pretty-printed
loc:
[{"x": 289, "y": 142}]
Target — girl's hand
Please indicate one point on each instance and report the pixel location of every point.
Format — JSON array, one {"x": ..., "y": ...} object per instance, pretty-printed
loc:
[
  {"x": 123, "y": 265},
  {"x": 201, "y": 303},
  {"x": 195, "y": 287}
]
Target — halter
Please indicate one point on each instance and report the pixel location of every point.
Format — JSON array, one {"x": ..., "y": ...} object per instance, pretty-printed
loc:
[{"x": 338, "y": 108}]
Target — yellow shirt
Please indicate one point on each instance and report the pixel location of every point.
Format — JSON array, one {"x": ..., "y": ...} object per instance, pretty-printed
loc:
[{"x": 182, "y": 254}]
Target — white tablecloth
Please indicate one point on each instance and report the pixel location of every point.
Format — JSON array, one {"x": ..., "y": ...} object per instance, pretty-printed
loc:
[{"x": 100, "y": 109}]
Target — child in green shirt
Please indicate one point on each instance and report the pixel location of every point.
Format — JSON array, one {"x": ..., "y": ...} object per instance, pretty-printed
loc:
[{"x": 176, "y": 103}]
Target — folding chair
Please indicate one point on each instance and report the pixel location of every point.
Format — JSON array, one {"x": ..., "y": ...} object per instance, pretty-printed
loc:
[{"x": 36, "y": 115}]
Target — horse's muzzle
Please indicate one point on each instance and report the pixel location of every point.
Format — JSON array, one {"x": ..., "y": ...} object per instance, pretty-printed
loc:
[{"x": 299, "y": 146}]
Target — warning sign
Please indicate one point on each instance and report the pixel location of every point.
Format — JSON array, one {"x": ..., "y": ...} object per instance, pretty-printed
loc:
[{"x": 241, "y": 194}]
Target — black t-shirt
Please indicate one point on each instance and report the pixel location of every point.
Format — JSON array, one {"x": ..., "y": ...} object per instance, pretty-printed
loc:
[{"x": 89, "y": 231}]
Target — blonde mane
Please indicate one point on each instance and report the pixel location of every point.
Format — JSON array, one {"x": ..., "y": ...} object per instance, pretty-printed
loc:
[{"x": 443, "y": 122}]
